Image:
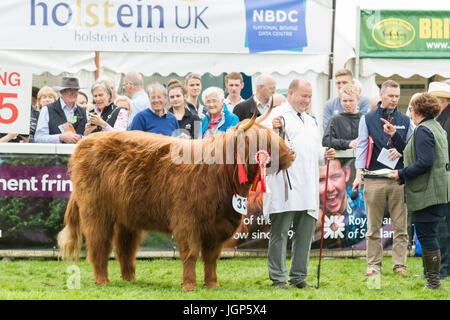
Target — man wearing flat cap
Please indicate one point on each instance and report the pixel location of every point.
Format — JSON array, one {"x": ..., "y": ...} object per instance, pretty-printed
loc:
[
  {"x": 62, "y": 121},
  {"x": 441, "y": 90}
]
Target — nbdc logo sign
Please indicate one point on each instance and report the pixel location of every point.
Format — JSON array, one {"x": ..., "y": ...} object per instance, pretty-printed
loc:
[{"x": 275, "y": 16}]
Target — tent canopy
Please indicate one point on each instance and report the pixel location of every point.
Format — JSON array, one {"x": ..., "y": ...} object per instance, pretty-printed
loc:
[{"x": 214, "y": 63}]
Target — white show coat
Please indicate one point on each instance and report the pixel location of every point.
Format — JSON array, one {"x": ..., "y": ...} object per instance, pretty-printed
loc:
[{"x": 304, "y": 172}]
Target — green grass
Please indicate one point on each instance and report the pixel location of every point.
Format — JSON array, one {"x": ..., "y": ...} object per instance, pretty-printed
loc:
[{"x": 240, "y": 279}]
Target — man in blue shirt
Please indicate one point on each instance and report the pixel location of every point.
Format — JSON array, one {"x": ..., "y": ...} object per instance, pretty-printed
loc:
[
  {"x": 133, "y": 83},
  {"x": 155, "y": 118},
  {"x": 333, "y": 106},
  {"x": 378, "y": 190}
]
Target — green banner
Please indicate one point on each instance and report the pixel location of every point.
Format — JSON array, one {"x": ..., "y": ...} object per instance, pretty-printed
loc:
[{"x": 406, "y": 34}]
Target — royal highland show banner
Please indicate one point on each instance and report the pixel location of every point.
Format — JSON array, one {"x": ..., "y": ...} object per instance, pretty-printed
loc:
[
  {"x": 406, "y": 34},
  {"x": 204, "y": 26}
]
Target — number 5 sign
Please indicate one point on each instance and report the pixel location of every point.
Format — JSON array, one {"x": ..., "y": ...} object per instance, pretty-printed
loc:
[{"x": 15, "y": 100}]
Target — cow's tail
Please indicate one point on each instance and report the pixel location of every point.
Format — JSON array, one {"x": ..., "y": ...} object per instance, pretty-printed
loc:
[{"x": 70, "y": 238}]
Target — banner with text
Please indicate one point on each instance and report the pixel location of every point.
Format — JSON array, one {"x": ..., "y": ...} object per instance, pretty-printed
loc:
[
  {"x": 404, "y": 34},
  {"x": 15, "y": 100},
  {"x": 232, "y": 26}
]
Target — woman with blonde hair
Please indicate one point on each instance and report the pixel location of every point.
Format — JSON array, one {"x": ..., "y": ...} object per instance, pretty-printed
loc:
[
  {"x": 45, "y": 96},
  {"x": 125, "y": 103},
  {"x": 193, "y": 85}
]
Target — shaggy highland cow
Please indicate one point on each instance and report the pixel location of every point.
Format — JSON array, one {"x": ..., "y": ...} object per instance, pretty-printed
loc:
[{"x": 126, "y": 183}]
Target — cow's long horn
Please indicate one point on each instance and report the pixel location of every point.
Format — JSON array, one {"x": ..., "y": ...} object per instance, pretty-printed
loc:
[
  {"x": 265, "y": 115},
  {"x": 250, "y": 123}
]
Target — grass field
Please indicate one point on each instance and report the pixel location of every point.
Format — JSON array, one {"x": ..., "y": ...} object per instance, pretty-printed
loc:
[{"x": 240, "y": 279}]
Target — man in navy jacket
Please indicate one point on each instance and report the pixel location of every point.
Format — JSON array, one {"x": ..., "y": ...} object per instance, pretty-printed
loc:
[{"x": 378, "y": 190}]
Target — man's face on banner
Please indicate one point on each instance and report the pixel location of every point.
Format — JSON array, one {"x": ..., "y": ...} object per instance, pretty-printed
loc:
[{"x": 337, "y": 188}]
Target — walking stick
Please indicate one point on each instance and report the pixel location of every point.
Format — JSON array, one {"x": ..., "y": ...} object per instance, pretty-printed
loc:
[{"x": 324, "y": 211}]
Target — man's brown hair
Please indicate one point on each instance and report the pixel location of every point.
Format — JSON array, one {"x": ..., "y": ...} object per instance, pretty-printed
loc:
[
  {"x": 234, "y": 76},
  {"x": 343, "y": 72}
]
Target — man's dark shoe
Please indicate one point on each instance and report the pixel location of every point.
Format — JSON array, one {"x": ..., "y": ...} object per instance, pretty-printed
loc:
[
  {"x": 280, "y": 285},
  {"x": 303, "y": 284}
]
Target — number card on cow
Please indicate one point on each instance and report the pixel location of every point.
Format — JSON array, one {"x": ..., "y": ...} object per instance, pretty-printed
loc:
[{"x": 15, "y": 100}]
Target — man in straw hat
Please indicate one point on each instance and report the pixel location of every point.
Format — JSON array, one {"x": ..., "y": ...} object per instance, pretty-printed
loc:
[
  {"x": 62, "y": 121},
  {"x": 441, "y": 90}
]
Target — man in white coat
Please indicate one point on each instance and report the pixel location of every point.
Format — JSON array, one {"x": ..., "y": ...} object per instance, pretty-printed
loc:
[{"x": 300, "y": 207}]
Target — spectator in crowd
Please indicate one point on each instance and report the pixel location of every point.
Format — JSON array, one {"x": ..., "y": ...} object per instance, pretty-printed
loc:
[
  {"x": 442, "y": 92},
  {"x": 234, "y": 83},
  {"x": 10, "y": 137},
  {"x": 374, "y": 101},
  {"x": 45, "y": 96},
  {"x": 301, "y": 207},
  {"x": 133, "y": 83},
  {"x": 379, "y": 189},
  {"x": 193, "y": 85},
  {"x": 34, "y": 96},
  {"x": 278, "y": 99},
  {"x": 82, "y": 100},
  {"x": 123, "y": 102},
  {"x": 155, "y": 118},
  {"x": 347, "y": 225},
  {"x": 218, "y": 119},
  {"x": 112, "y": 87},
  {"x": 415, "y": 95},
  {"x": 342, "y": 130},
  {"x": 333, "y": 106},
  {"x": 426, "y": 177},
  {"x": 177, "y": 101},
  {"x": 265, "y": 88},
  {"x": 62, "y": 121},
  {"x": 106, "y": 116}
]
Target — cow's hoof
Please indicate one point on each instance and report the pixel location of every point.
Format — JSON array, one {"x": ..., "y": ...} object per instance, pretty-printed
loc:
[
  {"x": 129, "y": 278},
  {"x": 189, "y": 287},
  {"x": 212, "y": 285},
  {"x": 101, "y": 281}
]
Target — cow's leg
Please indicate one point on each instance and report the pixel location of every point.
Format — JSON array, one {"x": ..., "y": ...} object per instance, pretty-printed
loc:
[
  {"x": 189, "y": 251},
  {"x": 126, "y": 243},
  {"x": 98, "y": 242},
  {"x": 210, "y": 256}
]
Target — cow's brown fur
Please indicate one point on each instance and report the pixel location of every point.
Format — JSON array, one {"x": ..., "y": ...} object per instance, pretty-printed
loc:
[{"x": 126, "y": 183}]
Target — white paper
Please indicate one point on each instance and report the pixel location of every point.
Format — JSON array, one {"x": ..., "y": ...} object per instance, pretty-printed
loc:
[
  {"x": 240, "y": 204},
  {"x": 384, "y": 159}
]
